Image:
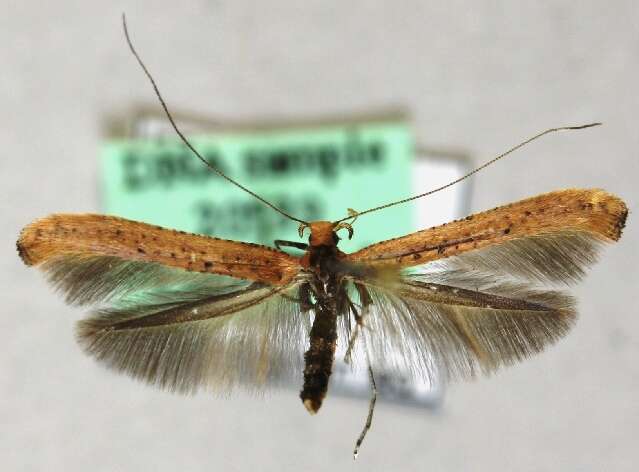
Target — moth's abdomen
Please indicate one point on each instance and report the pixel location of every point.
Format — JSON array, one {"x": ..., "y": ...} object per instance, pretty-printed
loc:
[{"x": 318, "y": 360}]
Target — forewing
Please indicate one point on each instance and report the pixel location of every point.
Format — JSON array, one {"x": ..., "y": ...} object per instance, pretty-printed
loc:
[
  {"x": 78, "y": 249},
  {"x": 550, "y": 238},
  {"x": 425, "y": 327},
  {"x": 202, "y": 338}
]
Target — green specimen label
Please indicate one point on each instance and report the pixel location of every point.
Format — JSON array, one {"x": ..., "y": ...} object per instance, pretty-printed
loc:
[{"x": 311, "y": 173}]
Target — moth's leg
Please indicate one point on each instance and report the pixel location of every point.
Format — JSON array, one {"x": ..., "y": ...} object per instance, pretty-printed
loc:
[
  {"x": 353, "y": 335},
  {"x": 345, "y": 307},
  {"x": 303, "y": 298},
  {"x": 306, "y": 304},
  {"x": 371, "y": 405},
  {"x": 304, "y": 294},
  {"x": 293, "y": 299},
  {"x": 365, "y": 301},
  {"x": 280, "y": 243}
]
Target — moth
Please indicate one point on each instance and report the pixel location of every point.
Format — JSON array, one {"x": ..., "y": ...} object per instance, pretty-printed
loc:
[{"x": 186, "y": 312}]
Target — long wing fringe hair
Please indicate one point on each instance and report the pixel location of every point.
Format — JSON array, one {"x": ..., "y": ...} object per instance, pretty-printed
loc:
[{"x": 456, "y": 316}]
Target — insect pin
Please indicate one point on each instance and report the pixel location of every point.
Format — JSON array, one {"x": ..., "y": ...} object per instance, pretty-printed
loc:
[{"x": 187, "y": 312}]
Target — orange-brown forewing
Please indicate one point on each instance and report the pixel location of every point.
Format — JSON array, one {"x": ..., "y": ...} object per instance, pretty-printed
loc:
[
  {"x": 97, "y": 235},
  {"x": 596, "y": 213}
]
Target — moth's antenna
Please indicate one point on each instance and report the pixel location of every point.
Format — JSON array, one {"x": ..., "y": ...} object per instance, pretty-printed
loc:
[
  {"x": 474, "y": 171},
  {"x": 186, "y": 141}
]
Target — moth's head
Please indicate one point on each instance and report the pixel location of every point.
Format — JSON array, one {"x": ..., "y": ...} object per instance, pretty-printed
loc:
[{"x": 324, "y": 233}]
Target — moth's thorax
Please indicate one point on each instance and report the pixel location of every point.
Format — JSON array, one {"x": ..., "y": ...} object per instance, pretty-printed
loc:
[
  {"x": 322, "y": 248},
  {"x": 322, "y": 234}
]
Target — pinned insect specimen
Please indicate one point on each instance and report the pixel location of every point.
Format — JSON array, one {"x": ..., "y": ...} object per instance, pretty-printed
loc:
[{"x": 184, "y": 311}]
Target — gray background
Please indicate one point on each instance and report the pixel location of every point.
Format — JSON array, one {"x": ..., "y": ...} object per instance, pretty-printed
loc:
[{"x": 477, "y": 75}]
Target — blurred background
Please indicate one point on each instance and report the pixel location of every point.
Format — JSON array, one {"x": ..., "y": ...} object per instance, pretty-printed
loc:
[{"x": 476, "y": 78}]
